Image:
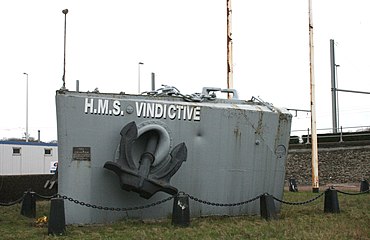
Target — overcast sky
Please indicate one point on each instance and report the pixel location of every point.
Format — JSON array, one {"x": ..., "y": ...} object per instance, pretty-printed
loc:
[{"x": 184, "y": 43}]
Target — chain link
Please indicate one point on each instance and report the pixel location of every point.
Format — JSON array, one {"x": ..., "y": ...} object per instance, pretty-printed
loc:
[
  {"x": 159, "y": 202},
  {"x": 223, "y": 204},
  {"x": 300, "y": 203},
  {"x": 115, "y": 209},
  {"x": 174, "y": 92},
  {"x": 348, "y": 193},
  {"x": 46, "y": 197},
  {"x": 171, "y": 197},
  {"x": 13, "y": 202}
]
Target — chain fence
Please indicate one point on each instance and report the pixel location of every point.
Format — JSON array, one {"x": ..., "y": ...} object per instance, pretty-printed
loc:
[
  {"x": 348, "y": 193},
  {"x": 223, "y": 204},
  {"x": 217, "y": 204},
  {"x": 116, "y": 209},
  {"x": 301, "y": 203},
  {"x": 19, "y": 200},
  {"x": 46, "y": 197}
]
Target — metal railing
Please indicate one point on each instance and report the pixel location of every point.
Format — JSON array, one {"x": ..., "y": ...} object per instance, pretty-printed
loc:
[{"x": 358, "y": 133}]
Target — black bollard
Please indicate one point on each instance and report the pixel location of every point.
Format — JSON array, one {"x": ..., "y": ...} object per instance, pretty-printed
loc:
[
  {"x": 267, "y": 207},
  {"x": 364, "y": 187},
  {"x": 57, "y": 224},
  {"x": 29, "y": 205},
  {"x": 331, "y": 204},
  {"x": 293, "y": 185},
  {"x": 181, "y": 211}
]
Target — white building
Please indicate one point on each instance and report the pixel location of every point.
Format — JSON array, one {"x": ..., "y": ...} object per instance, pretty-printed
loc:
[{"x": 24, "y": 158}]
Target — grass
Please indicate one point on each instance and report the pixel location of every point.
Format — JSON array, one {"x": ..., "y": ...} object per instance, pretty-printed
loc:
[{"x": 295, "y": 222}]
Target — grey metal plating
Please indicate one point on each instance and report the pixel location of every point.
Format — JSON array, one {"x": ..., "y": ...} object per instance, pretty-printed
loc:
[{"x": 231, "y": 144}]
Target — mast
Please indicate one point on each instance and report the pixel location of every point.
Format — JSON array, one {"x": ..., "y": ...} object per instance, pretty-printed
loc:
[
  {"x": 229, "y": 41},
  {"x": 315, "y": 161}
]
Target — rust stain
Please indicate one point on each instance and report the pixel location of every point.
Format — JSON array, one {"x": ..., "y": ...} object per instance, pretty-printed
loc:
[
  {"x": 259, "y": 128},
  {"x": 237, "y": 132}
]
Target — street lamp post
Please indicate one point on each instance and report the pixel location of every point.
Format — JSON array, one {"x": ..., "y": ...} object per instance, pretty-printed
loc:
[
  {"x": 139, "y": 64},
  {"x": 26, "y": 107},
  {"x": 65, "y": 11}
]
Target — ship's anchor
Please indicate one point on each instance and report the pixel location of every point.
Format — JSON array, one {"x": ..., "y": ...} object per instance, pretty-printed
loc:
[{"x": 140, "y": 178}]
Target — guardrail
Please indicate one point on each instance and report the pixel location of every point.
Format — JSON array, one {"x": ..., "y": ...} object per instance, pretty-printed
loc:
[{"x": 361, "y": 133}]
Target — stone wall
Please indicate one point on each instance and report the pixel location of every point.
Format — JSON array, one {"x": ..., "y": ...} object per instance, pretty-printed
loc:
[{"x": 338, "y": 163}]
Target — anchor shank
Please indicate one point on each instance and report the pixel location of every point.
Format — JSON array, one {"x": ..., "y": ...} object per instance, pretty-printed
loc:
[
  {"x": 151, "y": 145},
  {"x": 147, "y": 158}
]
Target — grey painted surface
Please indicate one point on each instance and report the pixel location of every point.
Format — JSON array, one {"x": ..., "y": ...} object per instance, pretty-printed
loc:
[{"x": 236, "y": 151}]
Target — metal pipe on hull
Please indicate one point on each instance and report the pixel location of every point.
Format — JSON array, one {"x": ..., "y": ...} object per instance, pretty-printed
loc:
[{"x": 153, "y": 81}]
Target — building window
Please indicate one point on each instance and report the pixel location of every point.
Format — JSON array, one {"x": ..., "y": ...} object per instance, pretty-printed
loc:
[
  {"x": 47, "y": 151},
  {"x": 16, "y": 151}
]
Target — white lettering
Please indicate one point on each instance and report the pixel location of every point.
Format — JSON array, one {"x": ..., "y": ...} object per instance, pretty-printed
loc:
[
  {"x": 172, "y": 111},
  {"x": 196, "y": 116},
  {"x": 116, "y": 108},
  {"x": 179, "y": 108},
  {"x": 189, "y": 111},
  {"x": 150, "y": 109},
  {"x": 158, "y": 110},
  {"x": 140, "y": 110},
  {"x": 184, "y": 112},
  {"x": 102, "y": 106},
  {"x": 89, "y": 105},
  {"x": 162, "y": 111}
]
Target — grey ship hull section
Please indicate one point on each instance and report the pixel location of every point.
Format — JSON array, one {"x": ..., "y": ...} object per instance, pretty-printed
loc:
[{"x": 236, "y": 151}]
